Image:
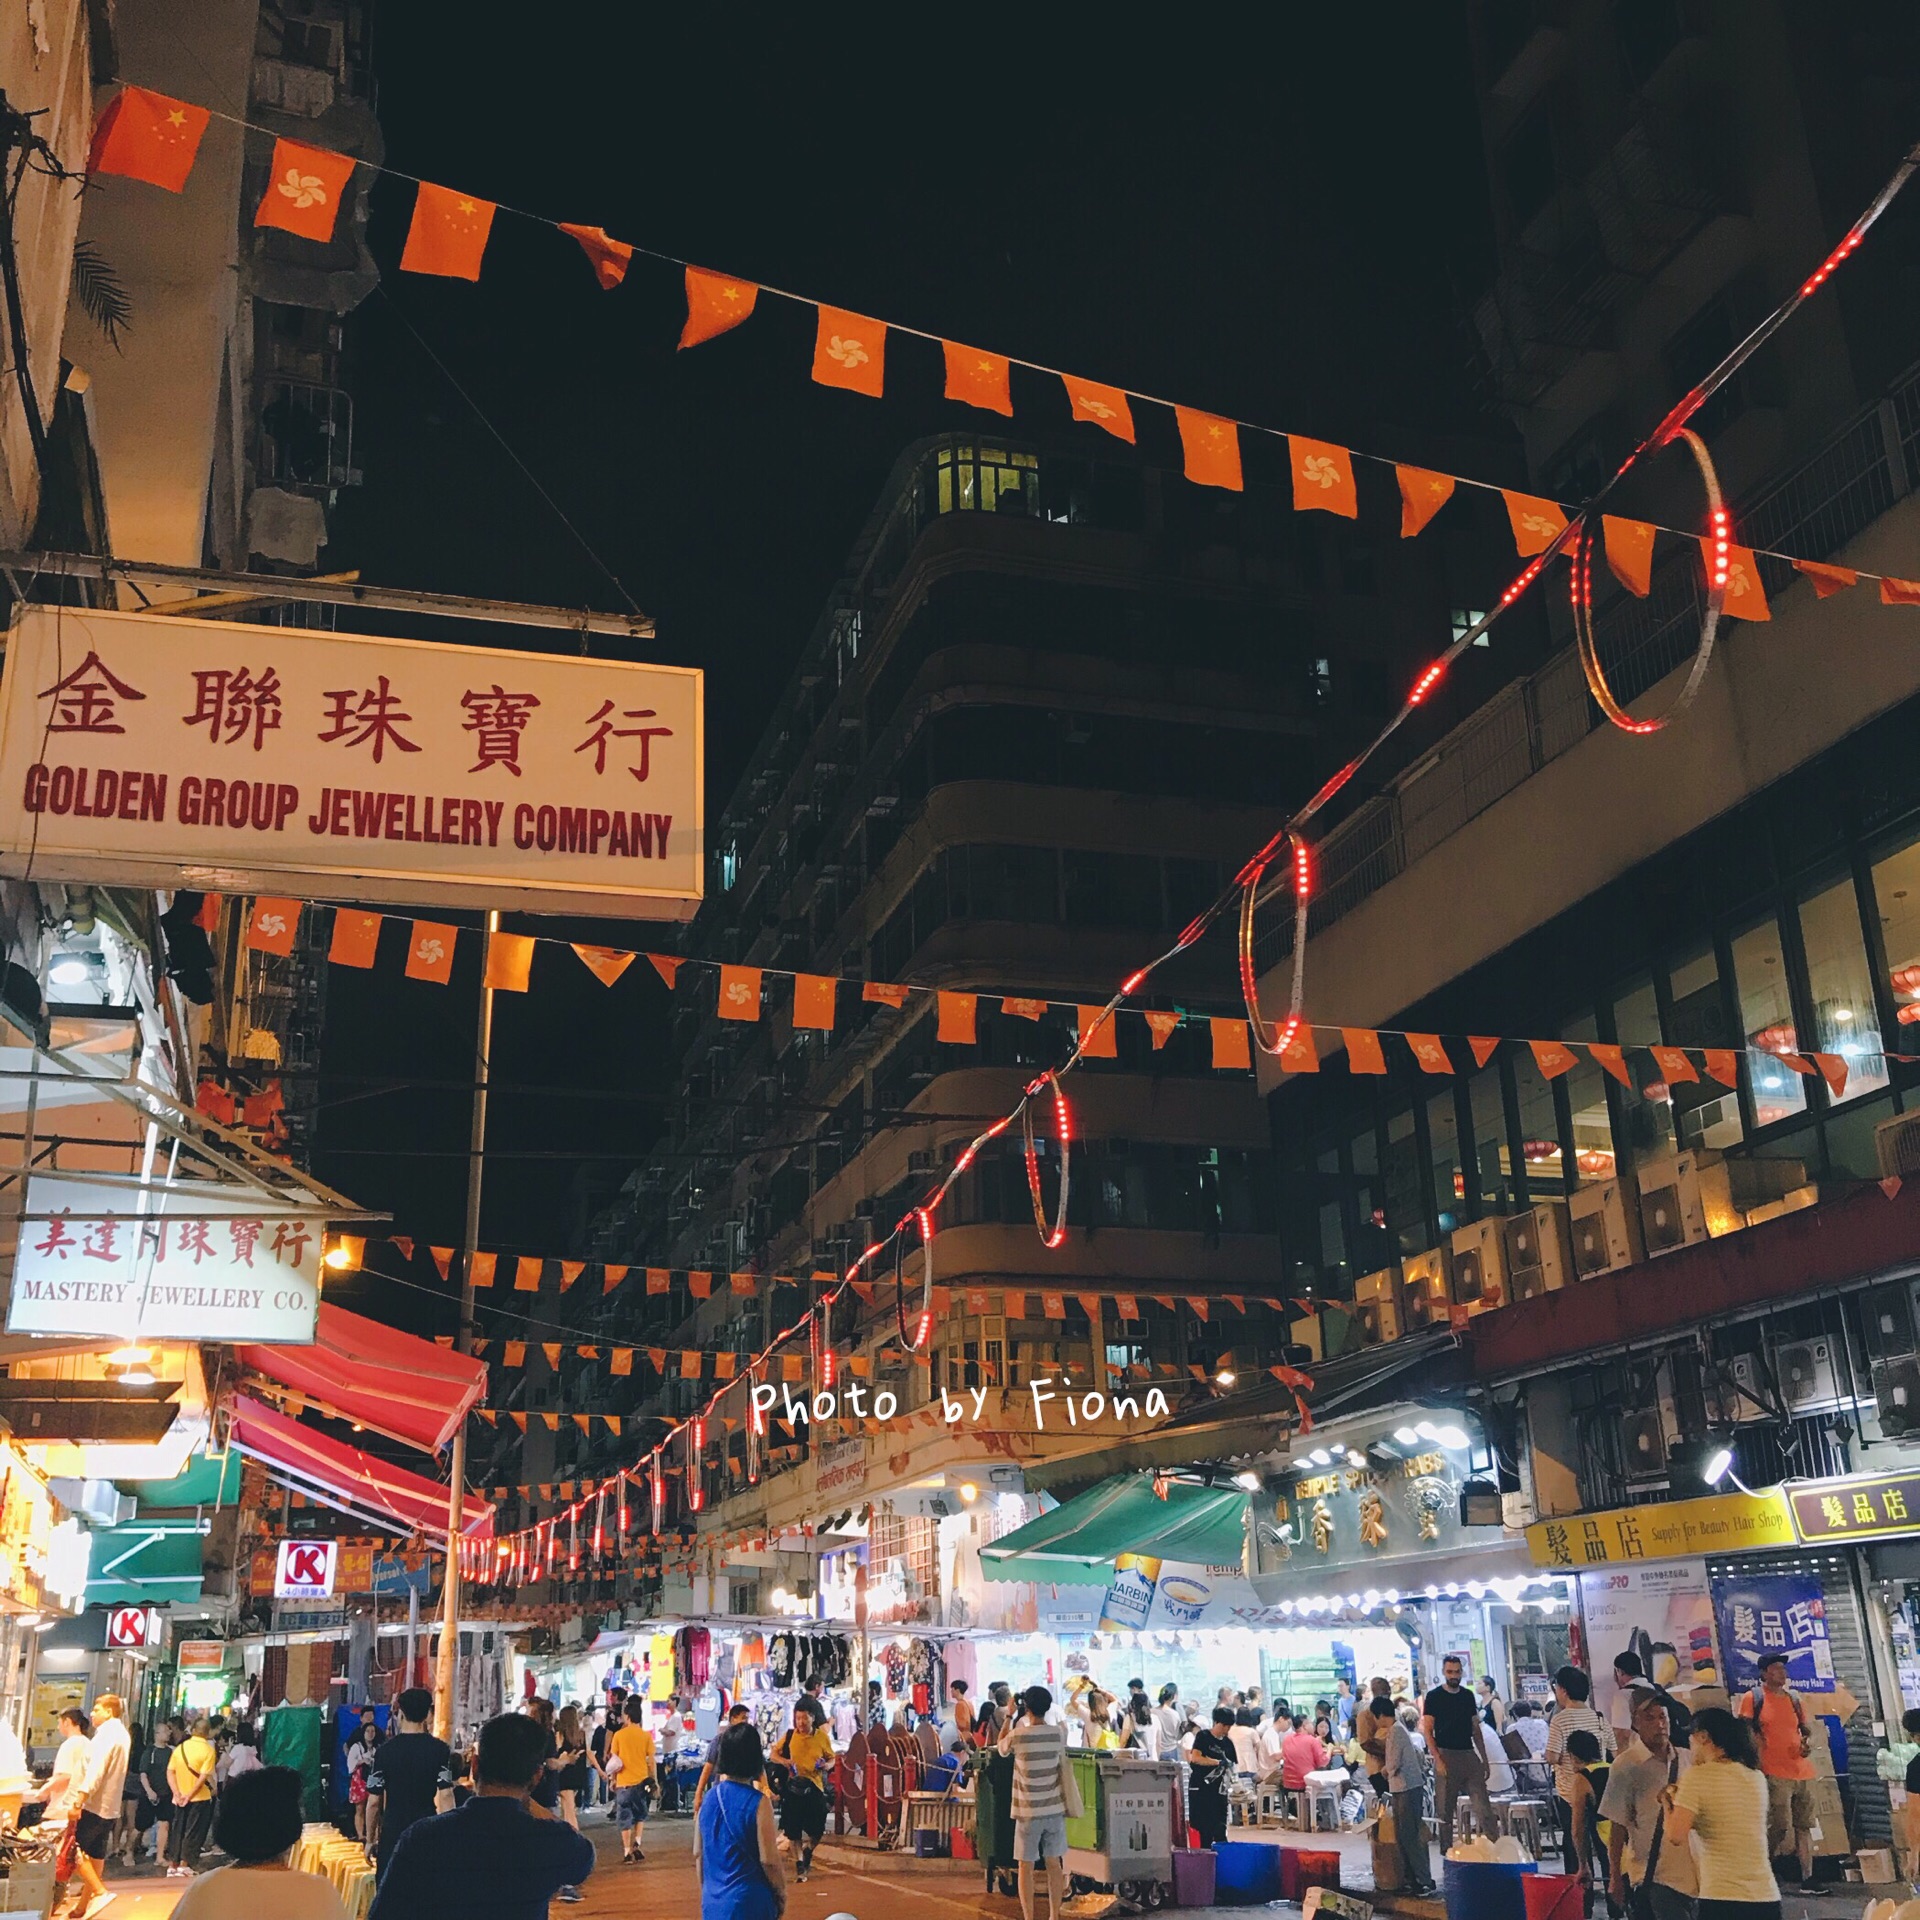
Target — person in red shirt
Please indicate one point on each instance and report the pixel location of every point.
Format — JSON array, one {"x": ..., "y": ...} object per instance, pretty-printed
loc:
[
  {"x": 1785, "y": 1738},
  {"x": 1301, "y": 1753}
]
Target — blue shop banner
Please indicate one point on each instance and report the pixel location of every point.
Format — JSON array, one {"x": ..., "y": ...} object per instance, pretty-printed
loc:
[{"x": 1761, "y": 1615}]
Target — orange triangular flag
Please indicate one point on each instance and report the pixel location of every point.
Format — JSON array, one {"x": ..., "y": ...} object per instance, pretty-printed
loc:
[
  {"x": 1899, "y": 593},
  {"x": 1723, "y": 1064},
  {"x": 1230, "y": 1047},
  {"x": 616, "y": 1422},
  {"x": 1536, "y": 523},
  {"x": 443, "y": 1259},
  {"x": 657, "y": 1360},
  {"x": 667, "y": 966},
  {"x": 1102, "y": 406},
  {"x": 404, "y": 1241},
  {"x": 305, "y": 186},
  {"x": 551, "y": 1348},
  {"x": 1613, "y": 1059},
  {"x": 146, "y": 136},
  {"x": 1826, "y": 580},
  {"x": 1833, "y": 1069},
  {"x": 850, "y": 351},
  {"x": 1364, "y": 1052},
  {"x": 1211, "y": 447},
  {"x": 1162, "y": 1026},
  {"x": 519, "y": 1420},
  {"x": 1025, "y": 1009},
  {"x": 1200, "y": 1305},
  {"x": 611, "y": 1278},
  {"x": 620, "y": 1361},
  {"x": 448, "y": 235},
  {"x": 1629, "y": 545},
  {"x": 1098, "y": 1040},
  {"x": 813, "y": 998},
  {"x": 430, "y": 951},
  {"x": 606, "y": 964},
  {"x": 1483, "y": 1046},
  {"x": 584, "y": 1421},
  {"x": 1322, "y": 476},
  {"x": 1674, "y": 1065},
  {"x": 715, "y": 304},
  {"x": 1422, "y": 495},
  {"x": 957, "y": 1019},
  {"x": 273, "y": 925},
  {"x": 1746, "y": 594},
  {"x": 977, "y": 379},
  {"x": 739, "y": 993},
  {"x": 483, "y": 1268},
  {"x": 356, "y": 938},
  {"x": 1552, "y": 1058},
  {"x": 609, "y": 258},
  {"x": 1300, "y": 1055},
  {"x": 1429, "y": 1052},
  {"x": 526, "y": 1274},
  {"x": 509, "y": 961}
]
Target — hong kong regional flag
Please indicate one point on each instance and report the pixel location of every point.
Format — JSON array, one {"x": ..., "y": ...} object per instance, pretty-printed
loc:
[
  {"x": 148, "y": 137},
  {"x": 304, "y": 190}
]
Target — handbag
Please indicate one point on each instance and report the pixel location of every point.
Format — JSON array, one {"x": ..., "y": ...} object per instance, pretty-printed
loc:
[{"x": 65, "y": 1860}]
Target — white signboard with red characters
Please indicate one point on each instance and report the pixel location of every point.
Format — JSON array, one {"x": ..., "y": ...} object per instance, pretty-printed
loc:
[
  {"x": 304, "y": 1569},
  {"x": 154, "y": 751},
  {"x": 133, "y": 1627},
  {"x": 192, "y": 1261}
]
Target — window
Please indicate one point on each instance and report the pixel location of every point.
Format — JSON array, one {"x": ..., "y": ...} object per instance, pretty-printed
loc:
[
  {"x": 1705, "y": 1113},
  {"x": 1594, "y": 1159},
  {"x": 1320, "y": 680},
  {"x": 1465, "y": 619},
  {"x": 729, "y": 865},
  {"x": 1896, "y": 893},
  {"x": 1845, "y": 1020},
  {"x": 1539, "y": 1129},
  {"x": 1766, "y": 1022},
  {"x": 1649, "y": 1114},
  {"x": 1443, "y": 1151},
  {"x": 1111, "y": 890},
  {"x": 1406, "y": 1186},
  {"x": 1491, "y": 1154},
  {"x": 985, "y": 480}
]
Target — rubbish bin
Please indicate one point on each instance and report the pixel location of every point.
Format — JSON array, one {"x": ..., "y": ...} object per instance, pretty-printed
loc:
[
  {"x": 1486, "y": 1890},
  {"x": 1084, "y": 1829}
]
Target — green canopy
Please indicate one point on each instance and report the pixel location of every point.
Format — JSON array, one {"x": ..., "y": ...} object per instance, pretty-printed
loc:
[
  {"x": 1204, "y": 1526},
  {"x": 144, "y": 1563},
  {"x": 207, "y": 1480}
]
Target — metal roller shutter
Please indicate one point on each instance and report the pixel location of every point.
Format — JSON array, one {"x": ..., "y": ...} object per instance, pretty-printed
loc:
[{"x": 1852, "y": 1664}]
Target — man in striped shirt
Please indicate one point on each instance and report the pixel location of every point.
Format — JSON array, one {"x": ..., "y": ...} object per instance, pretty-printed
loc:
[
  {"x": 1574, "y": 1712},
  {"x": 1039, "y": 1751}
]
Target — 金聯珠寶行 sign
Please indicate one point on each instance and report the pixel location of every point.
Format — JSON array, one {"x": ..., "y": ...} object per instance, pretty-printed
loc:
[
  {"x": 149, "y": 750},
  {"x": 193, "y": 1261}
]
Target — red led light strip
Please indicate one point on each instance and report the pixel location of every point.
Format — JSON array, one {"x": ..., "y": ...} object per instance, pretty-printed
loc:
[
  {"x": 1267, "y": 1038},
  {"x": 1051, "y": 1237}
]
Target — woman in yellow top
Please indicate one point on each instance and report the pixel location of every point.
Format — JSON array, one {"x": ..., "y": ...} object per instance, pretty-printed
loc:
[
  {"x": 807, "y": 1753},
  {"x": 190, "y": 1778}
]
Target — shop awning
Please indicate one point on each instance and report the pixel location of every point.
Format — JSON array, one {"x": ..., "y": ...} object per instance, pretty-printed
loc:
[
  {"x": 207, "y": 1480},
  {"x": 144, "y": 1563},
  {"x": 391, "y": 1382},
  {"x": 346, "y": 1478},
  {"x": 1205, "y": 1526}
]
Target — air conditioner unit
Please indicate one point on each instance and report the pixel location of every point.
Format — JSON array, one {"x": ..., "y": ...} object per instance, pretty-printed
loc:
[
  {"x": 1794, "y": 1200},
  {"x": 1700, "y": 1125},
  {"x": 1427, "y": 1289},
  {"x": 1809, "y": 1382},
  {"x": 1605, "y": 1234},
  {"x": 1750, "y": 1395},
  {"x": 1480, "y": 1266},
  {"x": 1309, "y": 1334},
  {"x": 1539, "y": 1250},
  {"x": 1377, "y": 1306},
  {"x": 1887, "y": 1319},
  {"x": 1671, "y": 1212},
  {"x": 1897, "y": 1142},
  {"x": 1643, "y": 1442},
  {"x": 1896, "y": 1391}
]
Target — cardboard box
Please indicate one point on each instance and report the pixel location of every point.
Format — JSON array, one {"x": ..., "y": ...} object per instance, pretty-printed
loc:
[{"x": 1876, "y": 1866}]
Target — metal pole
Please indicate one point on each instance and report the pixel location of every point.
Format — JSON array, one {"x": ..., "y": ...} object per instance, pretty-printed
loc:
[{"x": 463, "y": 1343}]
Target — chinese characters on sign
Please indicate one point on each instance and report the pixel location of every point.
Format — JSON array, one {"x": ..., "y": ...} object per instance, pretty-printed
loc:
[
  {"x": 204, "y": 1262},
  {"x": 1726, "y": 1523},
  {"x": 305, "y": 1569},
  {"x": 1763, "y": 1615},
  {"x": 526, "y": 776},
  {"x": 1857, "y": 1509}
]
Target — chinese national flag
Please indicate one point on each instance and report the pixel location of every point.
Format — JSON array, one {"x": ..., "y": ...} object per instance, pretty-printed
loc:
[
  {"x": 509, "y": 961},
  {"x": 1536, "y": 523},
  {"x": 609, "y": 258},
  {"x": 1098, "y": 1038},
  {"x": 1322, "y": 476},
  {"x": 978, "y": 379},
  {"x": 146, "y": 136},
  {"x": 273, "y": 926},
  {"x": 1212, "y": 449},
  {"x": 813, "y": 997},
  {"x": 448, "y": 234},
  {"x": 1899, "y": 593},
  {"x": 1613, "y": 1059},
  {"x": 1364, "y": 1053},
  {"x": 356, "y": 938},
  {"x": 1746, "y": 595},
  {"x": 1103, "y": 406},
  {"x": 304, "y": 191},
  {"x": 1629, "y": 546},
  {"x": 1230, "y": 1047},
  {"x": 606, "y": 964},
  {"x": 739, "y": 993},
  {"x": 1483, "y": 1046},
  {"x": 715, "y": 305},
  {"x": 850, "y": 351},
  {"x": 958, "y": 1012},
  {"x": 1422, "y": 495},
  {"x": 430, "y": 952}
]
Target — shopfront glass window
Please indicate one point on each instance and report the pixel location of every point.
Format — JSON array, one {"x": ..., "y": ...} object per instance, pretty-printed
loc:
[
  {"x": 1539, "y": 1129},
  {"x": 1766, "y": 1021},
  {"x": 1492, "y": 1157},
  {"x": 1594, "y": 1158},
  {"x": 1406, "y": 1185},
  {"x": 1705, "y": 1113},
  {"x": 1844, "y": 1018},
  {"x": 1636, "y": 1019},
  {"x": 1443, "y": 1147},
  {"x": 1896, "y": 896},
  {"x": 1373, "y": 1248}
]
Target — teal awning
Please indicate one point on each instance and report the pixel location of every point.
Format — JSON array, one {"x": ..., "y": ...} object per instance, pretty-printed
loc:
[
  {"x": 144, "y": 1563},
  {"x": 207, "y": 1480},
  {"x": 1203, "y": 1526}
]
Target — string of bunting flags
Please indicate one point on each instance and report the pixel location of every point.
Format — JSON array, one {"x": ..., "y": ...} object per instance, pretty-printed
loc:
[{"x": 151, "y": 137}]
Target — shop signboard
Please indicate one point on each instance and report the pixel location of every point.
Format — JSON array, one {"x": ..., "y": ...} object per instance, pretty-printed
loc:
[
  {"x": 391, "y": 1576},
  {"x": 26, "y": 1530},
  {"x": 842, "y": 1466},
  {"x": 1767, "y": 1615},
  {"x": 148, "y": 750},
  {"x": 200, "y": 1656},
  {"x": 193, "y": 1261},
  {"x": 305, "y": 1569},
  {"x": 1374, "y": 1506},
  {"x": 353, "y": 1569},
  {"x": 1663, "y": 1613},
  {"x": 1720, "y": 1523},
  {"x": 1867, "y": 1507},
  {"x": 1130, "y": 1594},
  {"x": 132, "y": 1627}
]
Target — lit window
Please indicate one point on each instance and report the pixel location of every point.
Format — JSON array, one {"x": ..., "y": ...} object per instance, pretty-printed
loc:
[
  {"x": 1845, "y": 1021},
  {"x": 1465, "y": 619},
  {"x": 1766, "y": 1021}
]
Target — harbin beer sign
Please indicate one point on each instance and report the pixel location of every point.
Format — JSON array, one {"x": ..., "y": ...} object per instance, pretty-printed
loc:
[{"x": 152, "y": 751}]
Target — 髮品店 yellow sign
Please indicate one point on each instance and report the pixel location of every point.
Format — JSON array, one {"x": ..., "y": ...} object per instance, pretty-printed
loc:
[{"x": 1721, "y": 1523}]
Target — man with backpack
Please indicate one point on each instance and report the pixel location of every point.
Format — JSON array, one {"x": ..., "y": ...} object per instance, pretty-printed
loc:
[{"x": 1785, "y": 1737}]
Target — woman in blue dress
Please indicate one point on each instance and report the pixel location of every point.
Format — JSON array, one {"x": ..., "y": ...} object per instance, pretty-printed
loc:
[{"x": 735, "y": 1847}]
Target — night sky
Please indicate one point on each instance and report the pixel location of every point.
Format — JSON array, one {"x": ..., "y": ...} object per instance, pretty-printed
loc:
[{"x": 1287, "y": 231}]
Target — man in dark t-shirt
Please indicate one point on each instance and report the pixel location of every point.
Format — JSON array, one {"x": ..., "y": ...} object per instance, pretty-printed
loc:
[
  {"x": 411, "y": 1777},
  {"x": 1451, "y": 1721}
]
